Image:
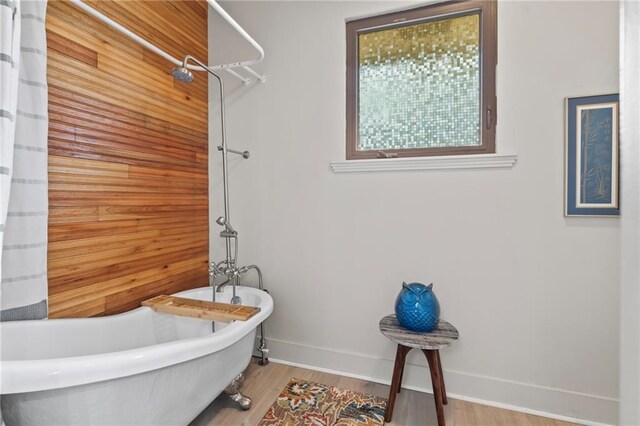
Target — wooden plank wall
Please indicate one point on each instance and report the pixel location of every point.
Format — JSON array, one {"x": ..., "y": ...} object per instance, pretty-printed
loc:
[{"x": 128, "y": 182}]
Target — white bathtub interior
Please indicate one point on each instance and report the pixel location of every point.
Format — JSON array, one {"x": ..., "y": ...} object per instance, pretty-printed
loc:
[{"x": 70, "y": 338}]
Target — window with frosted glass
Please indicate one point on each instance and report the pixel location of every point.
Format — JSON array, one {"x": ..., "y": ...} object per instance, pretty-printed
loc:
[{"x": 422, "y": 82}]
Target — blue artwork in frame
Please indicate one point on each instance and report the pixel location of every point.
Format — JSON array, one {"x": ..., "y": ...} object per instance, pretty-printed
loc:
[{"x": 592, "y": 176}]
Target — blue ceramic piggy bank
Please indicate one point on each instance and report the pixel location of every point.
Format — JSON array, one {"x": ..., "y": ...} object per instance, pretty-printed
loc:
[{"x": 417, "y": 307}]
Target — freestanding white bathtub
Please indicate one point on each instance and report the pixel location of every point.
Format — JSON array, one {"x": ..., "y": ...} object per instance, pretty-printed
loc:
[{"x": 136, "y": 368}]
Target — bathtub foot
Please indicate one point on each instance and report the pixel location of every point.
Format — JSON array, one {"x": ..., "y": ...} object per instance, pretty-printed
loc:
[
  {"x": 233, "y": 390},
  {"x": 242, "y": 400}
]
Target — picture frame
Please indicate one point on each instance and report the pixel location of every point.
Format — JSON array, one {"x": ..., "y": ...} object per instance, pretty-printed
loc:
[{"x": 592, "y": 175}]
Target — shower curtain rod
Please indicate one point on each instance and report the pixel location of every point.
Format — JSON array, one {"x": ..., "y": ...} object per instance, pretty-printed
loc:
[{"x": 245, "y": 65}]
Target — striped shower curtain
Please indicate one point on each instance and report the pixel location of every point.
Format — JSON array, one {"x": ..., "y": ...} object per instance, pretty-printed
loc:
[{"x": 23, "y": 160}]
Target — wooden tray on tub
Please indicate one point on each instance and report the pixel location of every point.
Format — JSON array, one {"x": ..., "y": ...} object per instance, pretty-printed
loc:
[{"x": 214, "y": 311}]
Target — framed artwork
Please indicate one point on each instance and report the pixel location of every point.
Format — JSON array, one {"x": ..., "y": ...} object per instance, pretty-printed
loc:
[{"x": 592, "y": 177}]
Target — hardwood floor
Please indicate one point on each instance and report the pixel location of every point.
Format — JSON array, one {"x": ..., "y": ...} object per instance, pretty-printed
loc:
[{"x": 264, "y": 384}]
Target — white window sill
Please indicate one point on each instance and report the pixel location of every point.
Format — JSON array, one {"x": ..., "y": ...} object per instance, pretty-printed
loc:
[{"x": 450, "y": 162}]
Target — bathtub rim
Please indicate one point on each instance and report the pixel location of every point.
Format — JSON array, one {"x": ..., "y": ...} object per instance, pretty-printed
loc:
[{"x": 18, "y": 376}]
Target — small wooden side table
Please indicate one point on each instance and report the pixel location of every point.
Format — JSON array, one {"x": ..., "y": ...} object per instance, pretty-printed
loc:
[{"x": 430, "y": 344}]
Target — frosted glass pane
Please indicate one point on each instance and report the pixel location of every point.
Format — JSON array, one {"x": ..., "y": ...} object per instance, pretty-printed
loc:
[{"x": 419, "y": 85}]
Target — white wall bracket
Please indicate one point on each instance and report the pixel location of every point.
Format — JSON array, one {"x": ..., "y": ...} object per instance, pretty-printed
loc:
[{"x": 229, "y": 68}]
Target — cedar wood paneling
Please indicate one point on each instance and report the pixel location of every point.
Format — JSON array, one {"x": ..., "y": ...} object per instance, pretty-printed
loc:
[{"x": 128, "y": 186}]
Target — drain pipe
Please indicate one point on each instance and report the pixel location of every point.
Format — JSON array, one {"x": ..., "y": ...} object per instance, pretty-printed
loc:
[{"x": 264, "y": 360}]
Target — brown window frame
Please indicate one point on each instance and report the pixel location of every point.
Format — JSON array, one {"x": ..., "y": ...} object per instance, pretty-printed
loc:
[{"x": 488, "y": 59}]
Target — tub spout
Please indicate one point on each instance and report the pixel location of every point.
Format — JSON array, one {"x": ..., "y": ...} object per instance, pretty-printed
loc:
[
  {"x": 220, "y": 287},
  {"x": 233, "y": 278}
]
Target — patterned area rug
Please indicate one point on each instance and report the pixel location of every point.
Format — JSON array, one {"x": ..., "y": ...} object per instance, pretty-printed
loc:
[{"x": 307, "y": 403}]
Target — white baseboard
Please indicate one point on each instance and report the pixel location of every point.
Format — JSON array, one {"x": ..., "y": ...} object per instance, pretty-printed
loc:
[{"x": 538, "y": 400}]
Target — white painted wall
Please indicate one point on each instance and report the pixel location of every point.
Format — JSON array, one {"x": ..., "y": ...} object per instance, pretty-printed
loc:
[
  {"x": 534, "y": 294},
  {"x": 630, "y": 253}
]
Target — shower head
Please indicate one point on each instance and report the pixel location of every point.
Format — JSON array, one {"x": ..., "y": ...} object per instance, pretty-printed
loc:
[
  {"x": 182, "y": 74},
  {"x": 222, "y": 221}
]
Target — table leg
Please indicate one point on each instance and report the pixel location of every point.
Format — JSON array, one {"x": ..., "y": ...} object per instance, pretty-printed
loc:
[
  {"x": 401, "y": 375},
  {"x": 444, "y": 391},
  {"x": 401, "y": 355},
  {"x": 436, "y": 382}
]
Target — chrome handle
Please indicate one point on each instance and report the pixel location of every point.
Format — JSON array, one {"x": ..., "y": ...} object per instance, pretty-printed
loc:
[{"x": 382, "y": 154}]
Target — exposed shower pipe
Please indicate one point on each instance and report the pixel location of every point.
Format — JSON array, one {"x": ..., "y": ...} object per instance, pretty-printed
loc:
[
  {"x": 227, "y": 67},
  {"x": 264, "y": 360},
  {"x": 228, "y": 267},
  {"x": 182, "y": 73},
  {"x": 231, "y": 270}
]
